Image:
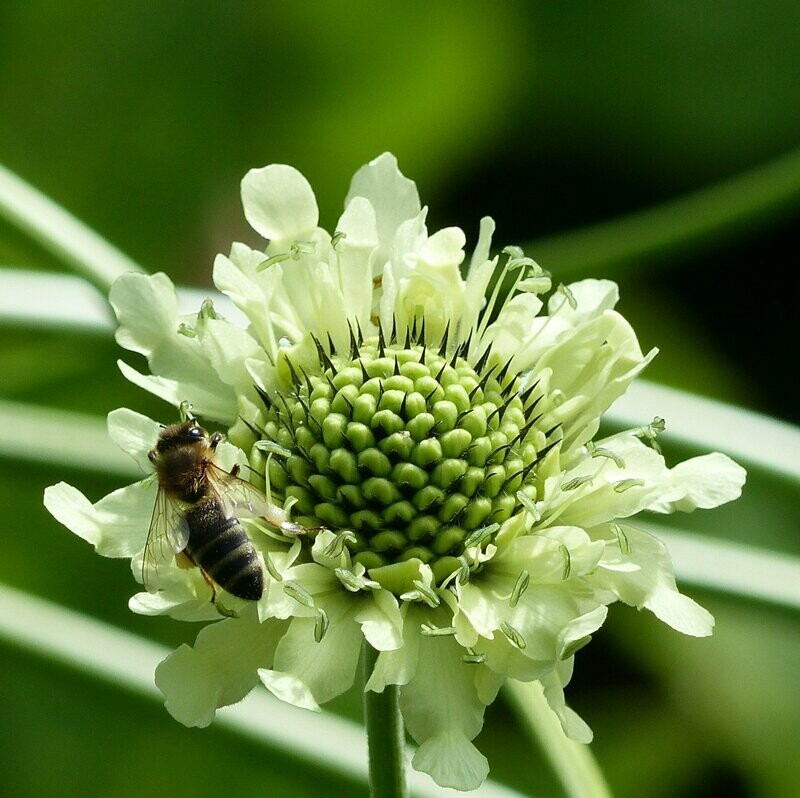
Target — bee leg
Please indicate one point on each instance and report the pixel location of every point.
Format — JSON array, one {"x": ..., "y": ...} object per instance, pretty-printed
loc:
[
  {"x": 224, "y": 611},
  {"x": 235, "y": 470},
  {"x": 211, "y": 584},
  {"x": 215, "y": 440}
]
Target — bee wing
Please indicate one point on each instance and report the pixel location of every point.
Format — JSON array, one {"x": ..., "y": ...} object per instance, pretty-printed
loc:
[
  {"x": 168, "y": 534},
  {"x": 242, "y": 499}
]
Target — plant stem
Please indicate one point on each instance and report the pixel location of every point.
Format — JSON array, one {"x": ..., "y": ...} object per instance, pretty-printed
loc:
[
  {"x": 61, "y": 233},
  {"x": 572, "y": 762},
  {"x": 385, "y": 737},
  {"x": 730, "y": 208}
]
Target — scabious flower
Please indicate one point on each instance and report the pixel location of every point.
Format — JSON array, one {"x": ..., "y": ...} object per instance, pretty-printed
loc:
[{"x": 435, "y": 434}]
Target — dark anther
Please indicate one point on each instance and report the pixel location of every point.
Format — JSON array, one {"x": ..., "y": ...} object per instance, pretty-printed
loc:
[
  {"x": 494, "y": 413},
  {"x": 494, "y": 452},
  {"x": 483, "y": 359},
  {"x": 309, "y": 387},
  {"x": 264, "y": 396},
  {"x": 528, "y": 468},
  {"x": 324, "y": 360},
  {"x": 534, "y": 403},
  {"x": 353, "y": 342},
  {"x": 552, "y": 430},
  {"x": 501, "y": 375},
  {"x": 523, "y": 433},
  {"x": 330, "y": 382},
  {"x": 292, "y": 372},
  {"x": 526, "y": 394},
  {"x": 443, "y": 347},
  {"x": 463, "y": 350},
  {"x": 259, "y": 433},
  {"x": 511, "y": 478},
  {"x": 381, "y": 341},
  {"x": 482, "y": 384},
  {"x": 540, "y": 455}
]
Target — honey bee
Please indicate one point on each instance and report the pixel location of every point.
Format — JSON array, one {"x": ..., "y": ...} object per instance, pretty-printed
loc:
[{"x": 195, "y": 513}]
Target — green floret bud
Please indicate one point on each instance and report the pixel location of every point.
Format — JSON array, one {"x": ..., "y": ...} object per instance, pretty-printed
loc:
[{"x": 414, "y": 454}]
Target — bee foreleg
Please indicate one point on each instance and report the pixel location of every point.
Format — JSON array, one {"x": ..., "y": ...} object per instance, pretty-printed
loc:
[
  {"x": 215, "y": 440},
  {"x": 225, "y": 612}
]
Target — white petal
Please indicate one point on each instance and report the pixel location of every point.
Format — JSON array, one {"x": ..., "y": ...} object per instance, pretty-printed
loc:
[
  {"x": 593, "y": 365},
  {"x": 359, "y": 225},
  {"x": 444, "y": 248},
  {"x": 452, "y": 761},
  {"x": 652, "y": 586},
  {"x": 573, "y": 725},
  {"x": 134, "y": 433},
  {"x": 581, "y": 627},
  {"x": 219, "y": 670},
  {"x": 245, "y": 292},
  {"x": 381, "y": 622},
  {"x": 399, "y": 665},
  {"x": 591, "y": 296},
  {"x": 481, "y": 252},
  {"x": 393, "y": 196},
  {"x": 705, "y": 482},
  {"x": 228, "y": 347},
  {"x": 328, "y": 668},
  {"x": 279, "y": 204},
  {"x": 215, "y": 405},
  {"x": 182, "y": 605},
  {"x": 147, "y": 309},
  {"x": 288, "y": 688},
  {"x": 443, "y": 713},
  {"x": 116, "y": 525}
]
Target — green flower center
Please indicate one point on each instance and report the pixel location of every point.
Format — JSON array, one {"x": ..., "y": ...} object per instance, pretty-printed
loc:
[{"x": 415, "y": 452}]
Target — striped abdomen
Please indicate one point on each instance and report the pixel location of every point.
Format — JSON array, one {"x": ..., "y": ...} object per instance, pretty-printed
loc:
[{"x": 221, "y": 547}]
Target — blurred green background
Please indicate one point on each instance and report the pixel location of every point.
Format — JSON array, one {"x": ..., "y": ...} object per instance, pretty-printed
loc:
[{"x": 142, "y": 117}]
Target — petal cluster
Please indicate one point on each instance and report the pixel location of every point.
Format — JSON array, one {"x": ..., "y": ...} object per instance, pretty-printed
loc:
[{"x": 524, "y": 593}]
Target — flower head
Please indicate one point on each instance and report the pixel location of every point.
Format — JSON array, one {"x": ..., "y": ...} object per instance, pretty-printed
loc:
[{"x": 432, "y": 436}]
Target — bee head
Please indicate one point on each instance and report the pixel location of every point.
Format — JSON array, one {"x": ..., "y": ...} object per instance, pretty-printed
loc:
[{"x": 186, "y": 433}]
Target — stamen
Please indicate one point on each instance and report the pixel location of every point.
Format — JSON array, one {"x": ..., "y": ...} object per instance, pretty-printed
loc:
[
  {"x": 299, "y": 594},
  {"x": 626, "y": 484},
  {"x": 567, "y": 562},
  {"x": 512, "y": 635},
  {"x": 437, "y": 631},
  {"x": 321, "y": 622},
  {"x": 520, "y": 586},
  {"x": 622, "y": 538}
]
